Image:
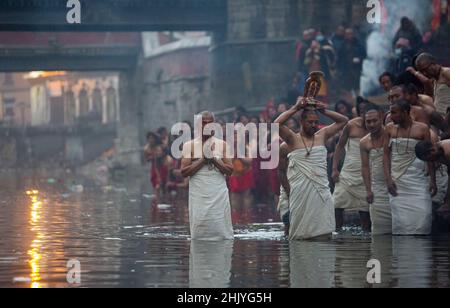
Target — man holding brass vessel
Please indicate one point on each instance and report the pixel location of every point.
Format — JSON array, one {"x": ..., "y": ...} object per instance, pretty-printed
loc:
[{"x": 310, "y": 201}]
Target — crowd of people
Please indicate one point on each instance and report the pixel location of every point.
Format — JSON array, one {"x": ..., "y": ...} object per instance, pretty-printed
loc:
[
  {"x": 340, "y": 56},
  {"x": 384, "y": 158},
  {"x": 249, "y": 185},
  {"x": 390, "y": 165}
]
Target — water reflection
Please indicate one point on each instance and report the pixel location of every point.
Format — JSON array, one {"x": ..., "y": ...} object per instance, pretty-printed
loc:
[
  {"x": 210, "y": 264},
  {"x": 124, "y": 238},
  {"x": 35, "y": 249},
  {"x": 381, "y": 250},
  {"x": 412, "y": 262},
  {"x": 352, "y": 255},
  {"x": 312, "y": 264}
]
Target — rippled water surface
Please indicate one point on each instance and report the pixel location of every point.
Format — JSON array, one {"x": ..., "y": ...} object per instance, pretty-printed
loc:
[{"x": 123, "y": 237}]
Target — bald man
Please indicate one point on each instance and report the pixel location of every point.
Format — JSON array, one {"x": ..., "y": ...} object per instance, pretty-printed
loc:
[
  {"x": 350, "y": 193},
  {"x": 209, "y": 203},
  {"x": 437, "y": 153},
  {"x": 372, "y": 152},
  {"x": 310, "y": 201},
  {"x": 409, "y": 186},
  {"x": 427, "y": 65}
]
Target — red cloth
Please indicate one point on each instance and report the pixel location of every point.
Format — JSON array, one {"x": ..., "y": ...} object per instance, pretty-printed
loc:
[
  {"x": 163, "y": 173},
  {"x": 241, "y": 183},
  {"x": 436, "y": 21},
  {"x": 275, "y": 181}
]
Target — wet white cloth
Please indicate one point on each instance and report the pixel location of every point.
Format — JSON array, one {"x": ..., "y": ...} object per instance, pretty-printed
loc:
[
  {"x": 380, "y": 210},
  {"x": 311, "y": 203},
  {"x": 209, "y": 206},
  {"x": 350, "y": 191},
  {"x": 210, "y": 264},
  {"x": 411, "y": 209},
  {"x": 442, "y": 98},
  {"x": 283, "y": 203}
]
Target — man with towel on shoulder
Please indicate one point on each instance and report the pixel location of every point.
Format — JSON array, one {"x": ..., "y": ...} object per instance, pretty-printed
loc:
[
  {"x": 310, "y": 201},
  {"x": 409, "y": 186},
  {"x": 209, "y": 203}
]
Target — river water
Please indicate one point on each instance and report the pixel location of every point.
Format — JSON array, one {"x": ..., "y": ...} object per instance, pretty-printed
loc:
[{"x": 123, "y": 237}]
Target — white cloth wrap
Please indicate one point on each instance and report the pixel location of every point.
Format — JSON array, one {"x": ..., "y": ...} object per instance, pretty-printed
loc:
[
  {"x": 442, "y": 98},
  {"x": 350, "y": 191},
  {"x": 380, "y": 210},
  {"x": 411, "y": 209},
  {"x": 311, "y": 203},
  {"x": 209, "y": 206}
]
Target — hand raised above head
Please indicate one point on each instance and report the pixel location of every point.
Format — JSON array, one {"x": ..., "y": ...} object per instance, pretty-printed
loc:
[
  {"x": 301, "y": 104},
  {"x": 320, "y": 106}
]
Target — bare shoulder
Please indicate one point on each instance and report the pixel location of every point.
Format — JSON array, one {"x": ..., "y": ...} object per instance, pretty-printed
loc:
[
  {"x": 446, "y": 74},
  {"x": 426, "y": 100},
  {"x": 445, "y": 144},
  {"x": 365, "y": 142},
  {"x": 284, "y": 149},
  {"x": 356, "y": 121},
  {"x": 421, "y": 126}
]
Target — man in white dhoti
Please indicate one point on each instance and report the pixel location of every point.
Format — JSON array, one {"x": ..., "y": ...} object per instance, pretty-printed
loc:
[
  {"x": 372, "y": 172},
  {"x": 209, "y": 203},
  {"x": 438, "y": 153},
  {"x": 409, "y": 186},
  {"x": 310, "y": 200},
  {"x": 350, "y": 192}
]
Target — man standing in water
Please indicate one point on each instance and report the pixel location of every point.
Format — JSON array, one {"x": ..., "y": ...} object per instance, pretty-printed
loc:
[
  {"x": 310, "y": 200},
  {"x": 372, "y": 172},
  {"x": 409, "y": 186},
  {"x": 350, "y": 193},
  {"x": 209, "y": 203},
  {"x": 437, "y": 153},
  {"x": 427, "y": 65}
]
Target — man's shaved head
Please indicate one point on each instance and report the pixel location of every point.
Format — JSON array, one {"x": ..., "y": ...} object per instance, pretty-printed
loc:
[
  {"x": 204, "y": 119},
  {"x": 425, "y": 59},
  {"x": 208, "y": 115},
  {"x": 427, "y": 65}
]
